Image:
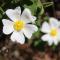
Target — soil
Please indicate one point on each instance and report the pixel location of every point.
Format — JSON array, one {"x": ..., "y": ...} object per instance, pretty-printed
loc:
[{"x": 15, "y": 51}]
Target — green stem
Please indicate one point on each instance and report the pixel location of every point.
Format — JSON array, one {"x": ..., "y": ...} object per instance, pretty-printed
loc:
[{"x": 2, "y": 10}]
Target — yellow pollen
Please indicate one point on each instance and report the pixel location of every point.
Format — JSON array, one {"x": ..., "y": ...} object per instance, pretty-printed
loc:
[
  {"x": 18, "y": 25},
  {"x": 53, "y": 32}
]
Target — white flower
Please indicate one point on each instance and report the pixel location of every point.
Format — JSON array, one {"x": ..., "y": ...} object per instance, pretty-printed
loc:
[
  {"x": 19, "y": 24},
  {"x": 52, "y": 31}
]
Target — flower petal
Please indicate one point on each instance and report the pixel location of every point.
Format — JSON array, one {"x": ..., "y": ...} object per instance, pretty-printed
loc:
[
  {"x": 45, "y": 27},
  {"x": 18, "y": 37},
  {"x": 55, "y": 41},
  {"x": 54, "y": 22},
  {"x": 7, "y": 22},
  {"x": 29, "y": 30},
  {"x": 7, "y": 29},
  {"x": 18, "y": 9},
  {"x": 33, "y": 18},
  {"x": 27, "y": 16},
  {"x": 57, "y": 38},
  {"x": 47, "y": 38},
  {"x": 13, "y": 14},
  {"x": 32, "y": 27}
]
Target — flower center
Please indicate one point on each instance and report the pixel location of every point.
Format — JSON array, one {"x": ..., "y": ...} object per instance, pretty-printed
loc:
[
  {"x": 18, "y": 25},
  {"x": 53, "y": 32}
]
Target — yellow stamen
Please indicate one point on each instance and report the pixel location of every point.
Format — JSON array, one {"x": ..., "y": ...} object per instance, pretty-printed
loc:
[
  {"x": 18, "y": 25},
  {"x": 53, "y": 32}
]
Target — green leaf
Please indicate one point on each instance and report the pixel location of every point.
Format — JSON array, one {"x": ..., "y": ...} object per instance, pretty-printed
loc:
[
  {"x": 37, "y": 34},
  {"x": 36, "y": 43},
  {"x": 38, "y": 23},
  {"x": 1, "y": 10},
  {"x": 0, "y": 15},
  {"x": 53, "y": 46},
  {"x": 47, "y": 4},
  {"x": 42, "y": 10},
  {"x": 15, "y": 1},
  {"x": 41, "y": 7},
  {"x": 32, "y": 7},
  {"x": 36, "y": 4},
  {"x": 46, "y": 18}
]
